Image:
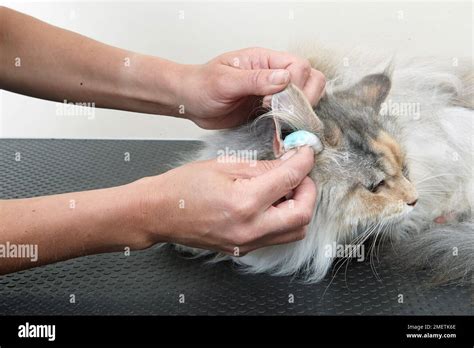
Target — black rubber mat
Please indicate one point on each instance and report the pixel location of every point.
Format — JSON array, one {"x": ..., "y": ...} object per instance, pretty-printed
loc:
[{"x": 152, "y": 281}]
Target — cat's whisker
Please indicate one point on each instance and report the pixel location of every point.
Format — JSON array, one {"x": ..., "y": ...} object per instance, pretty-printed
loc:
[
  {"x": 432, "y": 192},
  {"x": 429, "y": 185},
  {"x": 364, "y": 235},
  {"x": 435, "y": 176},
  {"x": 385, "y": 234},
  {"x": 371, "y": 249}
]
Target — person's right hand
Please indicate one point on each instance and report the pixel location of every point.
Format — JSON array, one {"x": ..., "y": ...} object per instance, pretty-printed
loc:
[{"x": 229, "y": 207}]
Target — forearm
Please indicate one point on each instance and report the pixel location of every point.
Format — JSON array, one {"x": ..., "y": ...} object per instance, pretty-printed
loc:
[
  {"x": 69, "y": 225},
  {"x": 44, "y": 61}
]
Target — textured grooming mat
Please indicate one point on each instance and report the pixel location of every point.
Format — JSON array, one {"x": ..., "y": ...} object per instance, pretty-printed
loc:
[{"x": 151, "y": 281}]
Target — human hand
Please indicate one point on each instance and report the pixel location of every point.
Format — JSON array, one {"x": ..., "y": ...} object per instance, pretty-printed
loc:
[
  {"x": 228, "y": 207},
  {"x": 227, "y": 91}
]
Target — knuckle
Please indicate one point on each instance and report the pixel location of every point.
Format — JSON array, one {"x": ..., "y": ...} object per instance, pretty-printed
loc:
[
  {"x": 292, "y": 178},
  {"x": 304, "y": 217},
  {"x": 306, "y": 68},
  {"x": 243, "y": 210},
  {"x": 256, "y": 50},
  {"x": 254, "y": 78},
  {"x": 239, "y": 212},
  {"x": 267, "y": 165}
]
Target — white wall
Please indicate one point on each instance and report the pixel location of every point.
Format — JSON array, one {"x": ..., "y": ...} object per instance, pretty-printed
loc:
[{"x": 422, "y": 28}]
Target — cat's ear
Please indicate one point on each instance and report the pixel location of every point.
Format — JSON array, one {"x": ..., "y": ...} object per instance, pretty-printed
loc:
[
  {"x": 281, "y": 104},
  {"x": 278, "y": 149},
  {"x": 371, "y": 91},
  {"x": 291, "y": 109}
]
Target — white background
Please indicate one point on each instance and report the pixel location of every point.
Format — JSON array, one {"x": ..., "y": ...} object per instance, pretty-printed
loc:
[{"x": 442, "y": 29}]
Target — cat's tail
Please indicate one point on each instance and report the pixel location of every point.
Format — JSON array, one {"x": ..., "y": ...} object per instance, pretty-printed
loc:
[{"x": 445, "y": 250}]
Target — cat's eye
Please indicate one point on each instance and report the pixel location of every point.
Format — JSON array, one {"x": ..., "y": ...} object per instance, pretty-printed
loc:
[{"x": 374, "y": 188}]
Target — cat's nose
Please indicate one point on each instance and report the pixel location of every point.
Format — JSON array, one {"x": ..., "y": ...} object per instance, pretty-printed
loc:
[{"x": 412, "y": 203}]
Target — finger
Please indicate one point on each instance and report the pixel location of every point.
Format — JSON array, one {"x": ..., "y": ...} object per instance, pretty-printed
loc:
[
  {"x": 276, "y": 230},
  {"x": 280, "y": 180},
  {"x": 244, "y": 167},
  {"x": 299, "y": 73},
  {"x": 299, "y": 68},
  {"x": 303, "y": 196},
  {"x": 262, "y": 58},
  {"x": 243, "y": 83},
  {"x": 251, "y": 170},
  {"x": 247, "y": 58},
  {"x": 293, "y": 213},
  {"x": 314, "y": 87},
  {"x": 258, "y": 58},
  {"x": 285, "y": 238}
]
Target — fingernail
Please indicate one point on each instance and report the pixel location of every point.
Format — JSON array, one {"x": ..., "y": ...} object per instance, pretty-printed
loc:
[
  {"x": 288, "y": 154},
  {"x": 309, "y": 147},
  {"x": 279, "y": 77}
]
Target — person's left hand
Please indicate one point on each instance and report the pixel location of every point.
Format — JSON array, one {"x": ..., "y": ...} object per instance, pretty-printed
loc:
[{"x": 227, "y": 91}]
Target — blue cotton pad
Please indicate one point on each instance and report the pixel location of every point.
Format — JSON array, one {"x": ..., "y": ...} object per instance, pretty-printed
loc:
[{"x": 300, "y": 138}]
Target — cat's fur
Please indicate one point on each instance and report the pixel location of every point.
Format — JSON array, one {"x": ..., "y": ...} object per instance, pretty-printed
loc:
[{"x": 409, "y": 123}]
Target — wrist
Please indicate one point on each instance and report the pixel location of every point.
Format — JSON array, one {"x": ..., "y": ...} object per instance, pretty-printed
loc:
[
  {"x": 152, "y": 85},
  {"x": 146, "y": 209},
  {"x": 185, "y": 88},
  {"x": 107, "y": 220}
]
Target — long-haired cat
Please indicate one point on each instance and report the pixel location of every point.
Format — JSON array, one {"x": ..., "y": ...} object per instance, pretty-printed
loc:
[{"x": 397, "y": 163}]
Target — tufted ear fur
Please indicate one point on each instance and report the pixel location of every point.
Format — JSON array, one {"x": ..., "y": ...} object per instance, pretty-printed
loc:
[{"x": 371, "y": 91}]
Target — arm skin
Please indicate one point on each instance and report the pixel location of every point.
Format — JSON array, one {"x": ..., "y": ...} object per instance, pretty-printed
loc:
[
  {"x": 57, "y": 64},
  {"x": 101, "y": 221},
  {"x": 227, "y": 205},
  {"x": 242, "y": 214}
]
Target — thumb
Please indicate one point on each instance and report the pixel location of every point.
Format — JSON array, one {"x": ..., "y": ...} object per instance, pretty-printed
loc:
[
  {"x": 259, "y": 82},
  {"x": 303, "y": 161},
  {"x": 284, "y": 177}
]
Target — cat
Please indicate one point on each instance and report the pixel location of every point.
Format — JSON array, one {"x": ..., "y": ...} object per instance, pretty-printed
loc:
[{"x": 396, "y": 164}]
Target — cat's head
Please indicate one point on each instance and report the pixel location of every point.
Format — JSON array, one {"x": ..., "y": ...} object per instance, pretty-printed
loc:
[{"x": 361, "y": 173}]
